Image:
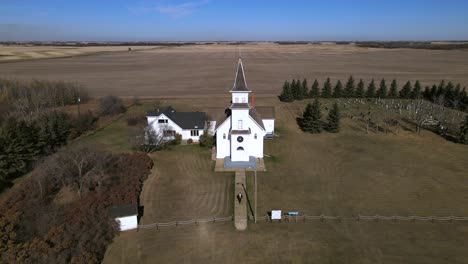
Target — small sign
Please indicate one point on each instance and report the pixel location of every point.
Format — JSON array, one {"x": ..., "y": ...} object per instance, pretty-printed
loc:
[{"x": 275, "y": 214}]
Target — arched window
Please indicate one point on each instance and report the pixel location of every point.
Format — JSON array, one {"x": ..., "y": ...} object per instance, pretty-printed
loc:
[
  {"x": 240, "y": 148},
  {"x": 255, "y": 136},
  {"x": 224, "y": 136}
]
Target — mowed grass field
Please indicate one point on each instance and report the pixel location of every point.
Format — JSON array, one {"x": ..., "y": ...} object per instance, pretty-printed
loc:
[
  {"x": 344, "y": 174},
  {"x": 209, "y": 70}
]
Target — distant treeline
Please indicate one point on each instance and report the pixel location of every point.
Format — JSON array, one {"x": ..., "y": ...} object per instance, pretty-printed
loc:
[
  {"x": 413, "y": 45},
  {"x": 39, "y": 94},
  {"x": 445, "y": 94}
]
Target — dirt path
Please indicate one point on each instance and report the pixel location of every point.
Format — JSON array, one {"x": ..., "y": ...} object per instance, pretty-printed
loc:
[{"x": 240, "y": 207}]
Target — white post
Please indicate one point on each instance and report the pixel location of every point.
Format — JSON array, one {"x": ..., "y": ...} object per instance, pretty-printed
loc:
[{"x": 255, "y": 216}]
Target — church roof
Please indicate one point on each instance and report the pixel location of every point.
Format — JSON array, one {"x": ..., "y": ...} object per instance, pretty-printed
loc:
[
  {"x": 256, "y": 117},
  {"x": 240, "y": 85}
]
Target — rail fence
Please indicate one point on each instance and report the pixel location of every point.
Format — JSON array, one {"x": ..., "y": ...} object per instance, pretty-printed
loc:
[
  {"x": 186, "y": 222},
  {"x": 304, "y": 218},
  {"x": 293, "y": 218}
]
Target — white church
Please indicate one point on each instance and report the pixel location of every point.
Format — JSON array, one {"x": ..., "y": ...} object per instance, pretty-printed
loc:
[
  {"x": 239, "y": 130},
  {"x": 240, "y": 136}
]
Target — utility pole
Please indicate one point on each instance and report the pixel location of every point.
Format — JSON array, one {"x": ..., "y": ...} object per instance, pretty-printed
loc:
[{"x": 255, "y": 216}]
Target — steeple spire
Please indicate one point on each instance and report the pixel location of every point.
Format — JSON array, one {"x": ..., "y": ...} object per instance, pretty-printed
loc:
[{"x": 240, "y": 85}]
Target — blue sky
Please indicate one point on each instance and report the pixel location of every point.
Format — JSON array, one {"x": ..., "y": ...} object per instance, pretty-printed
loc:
[{"x": 207, "y": 20}]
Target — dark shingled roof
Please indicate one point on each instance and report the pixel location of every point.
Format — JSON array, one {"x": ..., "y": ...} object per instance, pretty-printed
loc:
[
  {"x": 256, "y": 116},
  {"x": 240, "y": 85},
  {"x": 186, "y": 120},
  {"x": 123, "y": 210}
]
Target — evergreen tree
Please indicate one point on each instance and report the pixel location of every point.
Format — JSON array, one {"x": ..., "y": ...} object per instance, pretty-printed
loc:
[
  {"x": 405, "y": 92},
  {"x": 382, "y": 91},
  {"x": 333, "y": 124},
  {"x": 314, "y": 90},
  {"x": 295, "y": 89},
  {"x": 463, "y": 134},
  {"x": 371, "y": 90},
  {"x": 393, "y": 90},
  {"x": 286, "y": 95},
  {"x": 326, "y": 91},
  {"x": 349, "y": 88},
  {"x": 304, "y": 89},
  {"x": 427, "y": 93},
  {"x": 416, "y": 92},
  {"x": 433, "y": 93},
  {"x": 310, "y": 121},
  {"x": 360, "y": 89},
  {"x": 338, "y": 90},
  {"x": 449, "y": 94}
]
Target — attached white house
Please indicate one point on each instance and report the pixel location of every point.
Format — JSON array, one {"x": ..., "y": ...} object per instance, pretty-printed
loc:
[
  {"x": 168, "y": 121},
  {"x": 240, "y": 136},
  {"x": 125, "y": 215}
]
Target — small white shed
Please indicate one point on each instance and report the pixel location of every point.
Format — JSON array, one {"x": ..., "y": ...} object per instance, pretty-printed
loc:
[{"x": 125, "y": 215}]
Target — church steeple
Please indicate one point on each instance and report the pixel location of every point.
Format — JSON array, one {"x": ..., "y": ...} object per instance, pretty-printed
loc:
[{"x": 240, "y": 85}]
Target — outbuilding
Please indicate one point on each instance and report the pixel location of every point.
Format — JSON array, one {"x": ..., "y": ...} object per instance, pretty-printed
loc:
[{"x": 125, "y": 215}]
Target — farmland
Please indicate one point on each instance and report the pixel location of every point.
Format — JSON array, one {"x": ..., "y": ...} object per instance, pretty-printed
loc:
[
  {"x": 207, "y": 70},
  {"x": 344, "y": 174}
]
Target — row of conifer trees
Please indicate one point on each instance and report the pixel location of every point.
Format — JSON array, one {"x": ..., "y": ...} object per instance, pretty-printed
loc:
[{"x": 446, "y": 94}]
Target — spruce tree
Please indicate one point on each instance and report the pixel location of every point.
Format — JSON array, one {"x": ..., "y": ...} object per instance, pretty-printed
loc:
[
  {"x": 314, "y": 90},
  {"x": 405, "y": 92},
  {"x": 349, "y": 88},
  {"x": 433, "y": 93},
  {"x": 393, "y": 93},
  {"x": 360, "y": 89},
  {"x": 382, "y": 92},
  {"x": 326, "y": 90},
  {"x": 286, "y": 94},
  {"x": 333, "y": 124},
  {"x": 371, "y": 90},
  {"x": 311, "y": 118},
  {"x": 416, "y": 92},
  {"x": 338, "y": 90},
  {"x": 305, "y": 89},
  {"x": 449, "y": 94},
  {"x": 295, "y": 89},
  {"x": 463, "y": 134},
  {"x": 427, "y": 93}
]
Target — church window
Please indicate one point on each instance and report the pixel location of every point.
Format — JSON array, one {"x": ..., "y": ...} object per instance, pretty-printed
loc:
[
  {"x": 244, "y": 100},
  {"x": 236, "y": 99},
  {"x": 194, "y": 133},
  {"x": 224, "y": 136},
  {"x": 240, "y": 139},
  {"x": 255, "y": 136},
  {"x": 239, "y": 124},
  {"x": 240, "y": 148}
]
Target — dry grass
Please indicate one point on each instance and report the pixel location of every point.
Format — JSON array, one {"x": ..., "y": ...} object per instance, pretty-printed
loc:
[
  {"x": 337, "y": 174},
  {"x": 208, "y": 70}
]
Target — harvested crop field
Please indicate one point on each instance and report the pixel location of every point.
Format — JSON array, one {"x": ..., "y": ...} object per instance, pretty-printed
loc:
[{"x": 208, "y": 70}]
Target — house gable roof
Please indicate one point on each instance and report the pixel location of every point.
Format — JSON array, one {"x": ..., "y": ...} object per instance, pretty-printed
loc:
[
  {"x": 185, "y": 120},
  {"x": 240, "y": 85}
]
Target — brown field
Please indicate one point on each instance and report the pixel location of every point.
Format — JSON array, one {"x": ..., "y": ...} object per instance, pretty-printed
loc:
[
  {"x": 208, "y": 70},
  {"x": 344, "y": 174}
]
